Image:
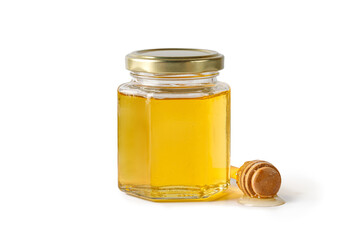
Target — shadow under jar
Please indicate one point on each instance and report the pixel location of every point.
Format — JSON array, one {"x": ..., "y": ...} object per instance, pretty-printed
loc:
[{"x": 174, "y": 126}]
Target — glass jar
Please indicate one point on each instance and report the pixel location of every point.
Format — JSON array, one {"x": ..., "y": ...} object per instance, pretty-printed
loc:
[{"x": 174, "y": 126}]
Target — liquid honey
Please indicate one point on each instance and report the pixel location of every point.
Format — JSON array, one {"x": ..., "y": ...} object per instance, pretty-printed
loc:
[
  {"x": 174, "y": 148},
  {"x": 260, "y": 202}
]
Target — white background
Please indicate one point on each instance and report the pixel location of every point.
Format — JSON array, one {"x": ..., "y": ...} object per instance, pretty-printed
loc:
[{"x": 294, "y": 69}]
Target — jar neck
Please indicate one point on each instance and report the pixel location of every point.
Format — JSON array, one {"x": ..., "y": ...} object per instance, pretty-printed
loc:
[{"x": 175, "y": 80}]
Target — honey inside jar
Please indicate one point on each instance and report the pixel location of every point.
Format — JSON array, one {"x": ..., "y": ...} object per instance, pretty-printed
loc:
[
  {"x": 174, "y": 147},
  {"x": 174, "y": 126}
]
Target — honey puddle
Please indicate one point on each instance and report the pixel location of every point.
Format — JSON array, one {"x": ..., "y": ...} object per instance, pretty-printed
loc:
[
  {"x": 261, "y": 202},
  {"x": 233, "y": 193}
]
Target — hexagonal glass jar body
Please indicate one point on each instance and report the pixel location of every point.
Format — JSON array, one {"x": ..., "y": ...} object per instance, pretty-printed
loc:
[{"x": 173, "y": 136}]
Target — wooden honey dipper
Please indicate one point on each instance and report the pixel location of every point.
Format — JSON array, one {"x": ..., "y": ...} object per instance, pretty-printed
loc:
[{"x": 257, "y": 179}]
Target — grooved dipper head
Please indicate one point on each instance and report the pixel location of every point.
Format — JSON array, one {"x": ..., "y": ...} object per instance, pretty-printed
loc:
[{"x": 259, "y": 179}]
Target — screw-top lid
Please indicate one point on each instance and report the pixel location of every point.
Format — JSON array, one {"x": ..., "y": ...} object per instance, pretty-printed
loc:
[{"x": 174, "y": 60}]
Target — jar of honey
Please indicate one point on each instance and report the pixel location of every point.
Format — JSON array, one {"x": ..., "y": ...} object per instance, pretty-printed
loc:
[{"x": 174, "y": 125}]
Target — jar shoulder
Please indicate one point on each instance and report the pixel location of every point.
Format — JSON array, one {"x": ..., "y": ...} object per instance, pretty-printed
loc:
[
  {"x": 223, "y": 86},
  {"x": 134, "y": 89}
]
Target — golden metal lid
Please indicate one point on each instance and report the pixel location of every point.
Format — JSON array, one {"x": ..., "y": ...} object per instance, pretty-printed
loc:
[{"x": 174, "y": 60}]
